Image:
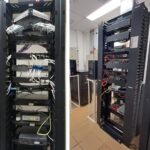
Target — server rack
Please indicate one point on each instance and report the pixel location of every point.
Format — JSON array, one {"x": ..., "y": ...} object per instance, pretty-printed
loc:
[
  {"x": 73, "y": 67},
  {"x": 144, "y": 143},
  {"x": 83, "y": 88},
  {"x": 12, "y": 137},
  {"x": 122, "y": 50},
  {"x": 83, "y": 76}
]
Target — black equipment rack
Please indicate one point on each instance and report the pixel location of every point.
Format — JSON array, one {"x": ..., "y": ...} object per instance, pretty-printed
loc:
[
  {"x": 92, "y": 69},
  {"x": 54, "y": 43},
  {"x": 122, "y": 50},
  {"x": 144, "y": 143}
]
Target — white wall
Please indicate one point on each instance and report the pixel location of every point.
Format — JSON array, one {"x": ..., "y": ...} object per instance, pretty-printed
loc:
[
  {"x": 93, "y": 55},
  {"x": 86, "y": 41},
  {"x": 83, "y": 43},
  {"x": 73, "y": 39},
  {"x": 80, "y": 42}
]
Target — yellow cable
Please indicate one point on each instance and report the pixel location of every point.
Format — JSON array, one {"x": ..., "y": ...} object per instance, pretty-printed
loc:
[{"x": 43, "y": 134}]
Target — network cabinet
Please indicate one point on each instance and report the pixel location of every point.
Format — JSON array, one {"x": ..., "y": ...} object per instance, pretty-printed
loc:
[
  {"x": 83, "y": 88},
  {"x": 73, "y": 67},
  {"x": 144, "y": 143},
  {"x": 122, "y": 50},
  {"x": 81, "y": 93},
  {"x": 92, "y": 69},
  {"x": 32, "y": 79}
]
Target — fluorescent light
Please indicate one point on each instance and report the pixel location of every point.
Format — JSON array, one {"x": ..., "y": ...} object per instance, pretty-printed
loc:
[{"x": 106, "y": 8}]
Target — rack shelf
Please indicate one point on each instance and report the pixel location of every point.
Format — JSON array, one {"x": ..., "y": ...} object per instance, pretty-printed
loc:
[{"x": 117, "y": 113}]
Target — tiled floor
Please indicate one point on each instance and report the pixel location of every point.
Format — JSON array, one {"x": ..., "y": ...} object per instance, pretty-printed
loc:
[{"x": 86, "y": 135}]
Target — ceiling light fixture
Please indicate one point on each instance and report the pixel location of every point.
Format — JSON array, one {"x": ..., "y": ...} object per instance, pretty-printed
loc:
[{"x": 106, "y": 8}]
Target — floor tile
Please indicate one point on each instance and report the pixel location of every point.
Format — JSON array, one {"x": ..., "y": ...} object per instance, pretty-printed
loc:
[
  {"x": 73, "y": 142},
  {"x": 91, "y": 142},
  {"x": 87, "y": 135},
  {"x": 82, "y": 132},
  {"x": 114, "y": 145},
  {"x": 104, "y": 147},
  {"x": 77, "y": 148}
]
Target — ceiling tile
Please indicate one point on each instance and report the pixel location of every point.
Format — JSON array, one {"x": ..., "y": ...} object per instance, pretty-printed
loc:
[
  {"x": 75, "y": 18},
  {"x": 84, "y": 25},
  {"x": 85, "y": 7}
]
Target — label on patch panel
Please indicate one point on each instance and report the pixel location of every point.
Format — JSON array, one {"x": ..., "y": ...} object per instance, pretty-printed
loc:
[
  {"x": 134, "y": 42},
  {"x": 30, "y": 118}
]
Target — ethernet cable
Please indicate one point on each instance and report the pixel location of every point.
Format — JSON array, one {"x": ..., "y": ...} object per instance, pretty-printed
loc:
[
  {"x": 52, "y": 77},
  {"x": 53, "y": 93},
  {"x": 36, "y": 71},
  {"x": 51, "y": 61},
  {"x": 53, "y": 88},
  {"x": 106, "y": 91},
  {"x": 10, "y": 88},
  {"x": 113, "y": 87},
  {"x": 35, "y": 68},
  {"x": 50, "y": 126},
  {"x": 8, "y": 59},
  {"x": 52, "y": 84}
]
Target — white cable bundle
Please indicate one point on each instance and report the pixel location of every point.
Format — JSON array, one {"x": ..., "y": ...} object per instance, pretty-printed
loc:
[
  {"x": 9, "y": 88},
  {"x": 37, "y": 73},
  {"x": 32, "y": 72},
  {"x": 8, "y": 59},
  {"x": 51, "y": 61},
  {"x": 44, "y": 27},
  {"x": 13, "y": 29},
  {"x": 53, "y": 88}
]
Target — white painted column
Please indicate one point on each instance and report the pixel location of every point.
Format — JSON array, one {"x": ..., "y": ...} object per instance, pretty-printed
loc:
[{"x": 126, "y": 6}]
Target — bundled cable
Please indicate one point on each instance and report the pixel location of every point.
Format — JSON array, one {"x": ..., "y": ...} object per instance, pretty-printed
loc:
[
  {"x": 43, "y": 27},
  {"x": 14, "y": 29},
  {"x": 10, "y": 89},
  {"x": 36, "y": 70},
  {"x": 8, "y": 59}
]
